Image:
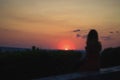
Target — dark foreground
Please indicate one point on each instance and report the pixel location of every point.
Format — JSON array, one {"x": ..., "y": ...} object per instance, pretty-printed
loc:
[
  {"x": 35, "y": 64},
  {"x": 112, "y": 73},
  {"x": 108, "y": 76},
  {"x": 30, "y": 64}
]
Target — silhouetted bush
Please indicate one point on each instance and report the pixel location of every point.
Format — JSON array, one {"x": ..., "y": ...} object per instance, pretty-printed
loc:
[{"x": 110, "y": 57}]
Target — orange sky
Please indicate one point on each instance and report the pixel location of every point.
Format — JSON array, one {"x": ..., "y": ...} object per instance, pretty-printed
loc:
[{"x": 45, "y": 23}]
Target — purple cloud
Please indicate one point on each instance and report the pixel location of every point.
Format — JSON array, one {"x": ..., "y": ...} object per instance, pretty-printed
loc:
[
  {"x": 106, "y": 37},
  {"x": 78, "y": 35}
]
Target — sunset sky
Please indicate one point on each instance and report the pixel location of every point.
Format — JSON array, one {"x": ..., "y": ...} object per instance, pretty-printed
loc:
[{"x": 51, "y": 24}]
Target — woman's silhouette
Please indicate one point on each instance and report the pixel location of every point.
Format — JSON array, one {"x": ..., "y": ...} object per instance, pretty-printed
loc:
[{"x": 93, "y": 48}]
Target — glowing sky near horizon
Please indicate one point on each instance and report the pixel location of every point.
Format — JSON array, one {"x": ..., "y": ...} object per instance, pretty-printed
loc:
[{"x": 47, "y": 23}]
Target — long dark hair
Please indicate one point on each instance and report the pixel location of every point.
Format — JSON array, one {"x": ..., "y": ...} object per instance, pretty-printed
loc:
[{"x": 92, "y": 35}]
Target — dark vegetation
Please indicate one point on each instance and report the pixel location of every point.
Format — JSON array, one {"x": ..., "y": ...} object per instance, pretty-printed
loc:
[
  {"x": 110, "y": 57},
  {"x": 36, "y": 63}
]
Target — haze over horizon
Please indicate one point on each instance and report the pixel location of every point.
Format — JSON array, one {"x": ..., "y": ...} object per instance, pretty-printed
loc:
[{"x": 58, "y": 24}]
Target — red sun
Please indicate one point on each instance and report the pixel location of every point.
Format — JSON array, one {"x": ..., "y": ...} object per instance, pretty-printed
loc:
[
  {"x": 66, "y": 45},
  {"x": 66, "y": 49}
]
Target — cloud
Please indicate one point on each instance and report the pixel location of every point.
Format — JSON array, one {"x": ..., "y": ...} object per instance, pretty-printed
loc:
[
  {"x": 84, "y": 36},
  {"x": 114, "y": 32},
  {"x": 9, "y": 30},
  {"x": 117, "y": 31},
  {"x": 78, "y": 35},
  {"x": 77, "y": 30},
  {"x": 3, "y": 29},
  {"x": 106, "y": 37},
  {"x": 111, "y": 32}
]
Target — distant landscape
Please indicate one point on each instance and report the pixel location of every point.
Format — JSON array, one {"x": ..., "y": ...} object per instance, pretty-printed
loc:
[{"x": 35, "y": 63}]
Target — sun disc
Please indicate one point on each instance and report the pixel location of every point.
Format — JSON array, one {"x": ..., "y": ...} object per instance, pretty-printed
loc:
[
  {"x": 66, "y": 45},
  {"x": 66, "y": 49}
]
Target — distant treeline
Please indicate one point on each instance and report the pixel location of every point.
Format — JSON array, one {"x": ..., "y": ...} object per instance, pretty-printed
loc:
[
  {"x": 35, "y": 62},
  {"x": 110, "y": 57}
]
